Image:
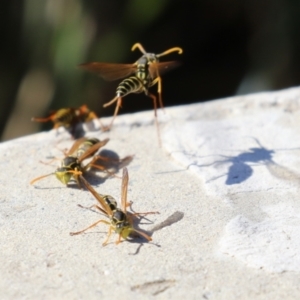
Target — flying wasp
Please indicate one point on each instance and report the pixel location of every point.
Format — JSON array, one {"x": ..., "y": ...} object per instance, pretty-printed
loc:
[
  {"x": 146, "y": 73},
  {"x": 71, "y": 166},
  {"x": 69, "y": 117},
  {"x": 120, "y": 220}
]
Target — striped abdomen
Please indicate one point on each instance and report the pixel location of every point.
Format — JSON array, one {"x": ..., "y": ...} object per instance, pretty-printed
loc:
[
  {"x": 130, "y": 85},
  {"x": 86, "y": 145},
  {"x": 110, "y": 201}
]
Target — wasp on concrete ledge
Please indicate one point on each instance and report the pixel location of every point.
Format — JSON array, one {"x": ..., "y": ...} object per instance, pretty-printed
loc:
[
  {"x": 71, "y": 165},
  {"x": 69, "y": 117},
  {"x": 120, "y": 220}
]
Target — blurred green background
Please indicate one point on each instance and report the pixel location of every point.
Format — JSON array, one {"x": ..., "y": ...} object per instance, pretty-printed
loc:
[{"x": 230, "y": 47}]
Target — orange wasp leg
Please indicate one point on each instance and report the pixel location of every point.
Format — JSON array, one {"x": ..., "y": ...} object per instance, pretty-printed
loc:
[
  {"x": 101, "y": 168},
  {"x": 155, "y": 114},
  {"x": 159, "y": 88},
  {"x": 42, "y": 120},
  {"x": 91, "y": 226},
  {"x": 108, "y": 236},
  {"x": 93, "y": 116},
  {"x": 118, "y": 105},
  {"x": 146, "y": 236}
]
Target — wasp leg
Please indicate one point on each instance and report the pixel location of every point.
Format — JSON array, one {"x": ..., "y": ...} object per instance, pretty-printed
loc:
[
  {"x": 146, "y": 236},
  {"x": 89, "y": 207},
  {"x": 159, "y": 88},
  {"x": 144, "y": 213},
  {"x": 91, "y": 226},
  {"x": 42, "y": 120},
  {"x": 155, "y": 115},
  {"x": 92, "y": 116},
  {"x": 101, "y": 168},
  {"x": 118, "y": 241},
  {"x": 93, "y": 206},
  {"x": 76, "y": 175},
  {"x": 118, "y": 105},
  {"x": 57, "y": 125},
  {"x": 108, "y": 235}
]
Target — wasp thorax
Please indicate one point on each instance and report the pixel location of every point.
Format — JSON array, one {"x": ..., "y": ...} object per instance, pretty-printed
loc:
[
  {"x": 68, "y": 165},
  {"x": 119, "y": 216},
  {"x": 147, "y": 58},
  {"x": 121, "y": 224},
  {"x": 69, "y": 161}
]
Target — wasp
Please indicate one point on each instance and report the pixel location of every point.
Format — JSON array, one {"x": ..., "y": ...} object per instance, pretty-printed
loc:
[
  {"x": 71, "y": 165},
  {"x": 145, "y": 73},
  {"x": 120, "y": 221},
  {"x": 69, "y": 117}
]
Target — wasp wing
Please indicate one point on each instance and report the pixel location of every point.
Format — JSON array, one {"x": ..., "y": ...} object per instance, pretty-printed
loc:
[
  {"x": 109, "y": 71},
  {"x": 75, "y": 146},
  {"x": 98, "y": 197},
  {"x": 157, "y": 69},
  {"x": 124, "y": 188},
  {"x": 93, "y": 149}
]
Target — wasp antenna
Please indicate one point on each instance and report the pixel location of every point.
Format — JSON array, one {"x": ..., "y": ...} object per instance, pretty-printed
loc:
[
  {"x": 41, "y": 177},
  {"x": 139, "y": 46},
  {"x": 175, "y": 49}
]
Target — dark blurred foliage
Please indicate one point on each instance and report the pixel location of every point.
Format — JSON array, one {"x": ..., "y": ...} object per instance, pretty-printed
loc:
[{"x": 230, "y": 47}]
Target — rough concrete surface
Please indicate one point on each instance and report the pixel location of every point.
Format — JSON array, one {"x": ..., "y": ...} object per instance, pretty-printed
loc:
[{"x": 226, "y": 184}]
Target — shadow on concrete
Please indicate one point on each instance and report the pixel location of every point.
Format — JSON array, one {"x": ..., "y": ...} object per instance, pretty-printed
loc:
[{"x": 241, "y": 165}]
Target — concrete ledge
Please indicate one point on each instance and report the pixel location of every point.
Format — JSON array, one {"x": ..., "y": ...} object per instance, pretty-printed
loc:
[{"x": 226, "y": 184}]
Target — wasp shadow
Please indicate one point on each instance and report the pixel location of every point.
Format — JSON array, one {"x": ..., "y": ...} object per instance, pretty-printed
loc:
[
  {"x": 80, "y": 129},
  {"x": 108, "y": 165},
  {"x": 172, "y": 219},
  {"x": 76, "y": 131},
  {"x": 241, "y": 165},
  {"x": 110, "y": 162}
]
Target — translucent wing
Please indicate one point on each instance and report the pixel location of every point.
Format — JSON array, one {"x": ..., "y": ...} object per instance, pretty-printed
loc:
[
  {"x": 98, "y": 197},
  {"x": 75, "y": 146},
  {"x": 108, "y": 71},
  {"x": 157, "y": 69},
  {"x": 124, "y": 189},
  {"x": 93, "y": 149}
]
